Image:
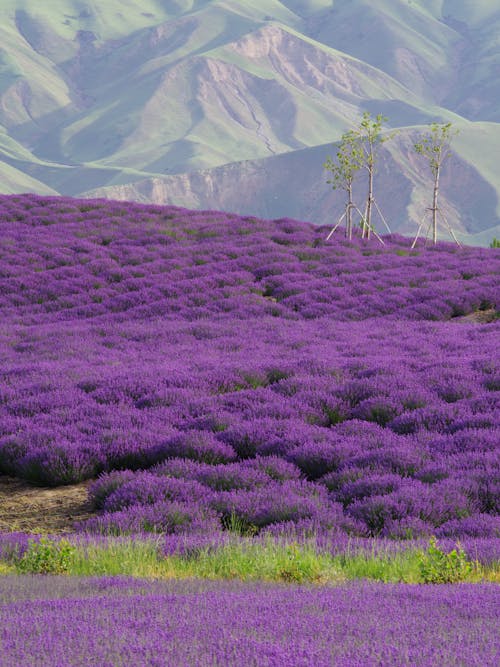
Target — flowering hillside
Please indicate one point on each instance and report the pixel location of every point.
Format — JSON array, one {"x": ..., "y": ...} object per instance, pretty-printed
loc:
[{"x": 220, "y": 372}]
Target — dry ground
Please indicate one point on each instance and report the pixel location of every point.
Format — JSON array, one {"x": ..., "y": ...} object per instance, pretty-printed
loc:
[
  {"x": 479, "y": 316},
  {"x": 35, "y": 509}
]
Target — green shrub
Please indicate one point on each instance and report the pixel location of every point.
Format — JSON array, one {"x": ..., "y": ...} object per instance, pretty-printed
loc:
[
  {"x": 46, "y": 557},
  {"x": 438, "y": 567}
]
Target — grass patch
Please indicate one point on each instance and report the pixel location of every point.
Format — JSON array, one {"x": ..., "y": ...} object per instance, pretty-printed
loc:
[
  {"x": 136, "y": 558},
  {"x": 248, "y": 559},
  {"x": 269, "y": 561},
  {"x": 398, "y": 567},
  {"x": 6, "y": 568}
]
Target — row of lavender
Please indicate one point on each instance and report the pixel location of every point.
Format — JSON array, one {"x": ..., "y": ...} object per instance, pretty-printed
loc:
[
  {"x": 262, "y": 376},
  {"x": 69, "y": 621}
]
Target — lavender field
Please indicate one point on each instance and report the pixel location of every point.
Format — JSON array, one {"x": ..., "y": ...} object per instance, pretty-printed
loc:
[
  {"x": 214, "y": 372},
  {"x": 119, "y": 621},
  {"x": 221, "y": 378}
]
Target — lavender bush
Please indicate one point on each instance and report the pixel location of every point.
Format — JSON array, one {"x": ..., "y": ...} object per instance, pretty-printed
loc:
[{"x": 210, "y": 370}]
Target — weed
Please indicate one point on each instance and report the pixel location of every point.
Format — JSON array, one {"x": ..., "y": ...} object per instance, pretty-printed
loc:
[
  {"x": 238, "y": 525},
  {"x": 46, "y": 557},
  {"x": 439, "y": 567}
]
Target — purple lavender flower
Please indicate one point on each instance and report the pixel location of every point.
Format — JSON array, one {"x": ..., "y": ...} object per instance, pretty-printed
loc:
[{"x": 200, "y": 365}]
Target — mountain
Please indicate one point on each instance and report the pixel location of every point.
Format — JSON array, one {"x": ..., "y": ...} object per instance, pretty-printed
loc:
[{"x": 218, "y": 104}]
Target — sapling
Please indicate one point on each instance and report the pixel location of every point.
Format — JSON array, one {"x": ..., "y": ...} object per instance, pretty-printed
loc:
[
  {"x": 370, "y": 138},
  {"x": 435, "y": 149},
  {"x": 344, "y": 169}
]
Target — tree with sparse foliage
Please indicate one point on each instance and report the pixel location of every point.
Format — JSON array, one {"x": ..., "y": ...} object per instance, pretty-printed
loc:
[
  {"x": 370, "y": 138},
  {"x": 343, "y": 172},
  {"x": 495, "y": 243},
  {"x": 435, "y": 148}
]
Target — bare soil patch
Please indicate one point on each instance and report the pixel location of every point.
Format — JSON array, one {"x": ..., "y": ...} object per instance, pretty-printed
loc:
[
  {"x": 35, "y": 509},
  {"x": 479, "y": 316}
]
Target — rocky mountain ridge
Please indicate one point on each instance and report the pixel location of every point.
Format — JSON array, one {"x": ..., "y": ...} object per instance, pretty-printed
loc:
[{"x": 224, "y": 105}]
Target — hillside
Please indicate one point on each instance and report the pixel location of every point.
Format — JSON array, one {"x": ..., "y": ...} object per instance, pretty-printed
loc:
[
  {"x": 220, "y": 105},
  {"x": 227, "y": 373}
]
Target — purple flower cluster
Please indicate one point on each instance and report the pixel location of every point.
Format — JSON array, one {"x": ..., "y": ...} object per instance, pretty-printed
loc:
[
  {"x": 108, "y": 621},
  {"x": 217, "y": 371},
  {"x": 14, "y": 545}
]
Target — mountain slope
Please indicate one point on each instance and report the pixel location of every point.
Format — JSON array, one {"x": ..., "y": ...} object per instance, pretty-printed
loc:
[
  {"x": 293, "y": 185},
  {"x": 141, "y": 97}
]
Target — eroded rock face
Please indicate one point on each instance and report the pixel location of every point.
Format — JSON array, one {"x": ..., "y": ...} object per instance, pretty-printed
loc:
[
  {"x": 293, "y": 184},
  {"x": 302, "y": 63}
]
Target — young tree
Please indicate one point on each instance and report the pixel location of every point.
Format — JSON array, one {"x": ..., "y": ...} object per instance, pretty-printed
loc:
[
  {"x": 343, "y": 172},
  {"x": 435, "y": 148},
  {"x": 370, "y": 138}
]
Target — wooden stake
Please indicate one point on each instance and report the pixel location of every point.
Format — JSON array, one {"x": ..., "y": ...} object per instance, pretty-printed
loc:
[{"x": 433, "y": 225}]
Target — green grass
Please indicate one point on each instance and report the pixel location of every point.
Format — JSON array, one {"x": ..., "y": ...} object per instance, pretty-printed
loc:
[
  {"x": 246, "y": 559},
  {"x": 478, "y": 143},
  {"x": 13, "y": 181},
  {"x": 134, "y": 558},
  {"x": 111, "y": 20},
  {"x": 402, "y": 567},
  {"x": 269, "y": 561},
  {"x": 7, "y": 568}
]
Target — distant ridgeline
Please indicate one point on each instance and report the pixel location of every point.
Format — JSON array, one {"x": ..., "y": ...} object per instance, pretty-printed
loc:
[{"x": 234, "y": 105}]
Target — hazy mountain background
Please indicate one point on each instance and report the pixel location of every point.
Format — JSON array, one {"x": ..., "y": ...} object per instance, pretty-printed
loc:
[{"x": 234, "y": 105}]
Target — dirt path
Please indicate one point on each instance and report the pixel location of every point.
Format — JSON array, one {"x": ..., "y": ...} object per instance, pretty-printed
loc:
[{"x": 34, "y": 509}]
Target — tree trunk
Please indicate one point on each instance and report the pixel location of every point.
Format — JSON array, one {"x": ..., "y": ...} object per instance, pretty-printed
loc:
[
  {"x": 435, "y": 206},
  {"x": 348, "y": 228},
  {"x": 368, "y": 218}
]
